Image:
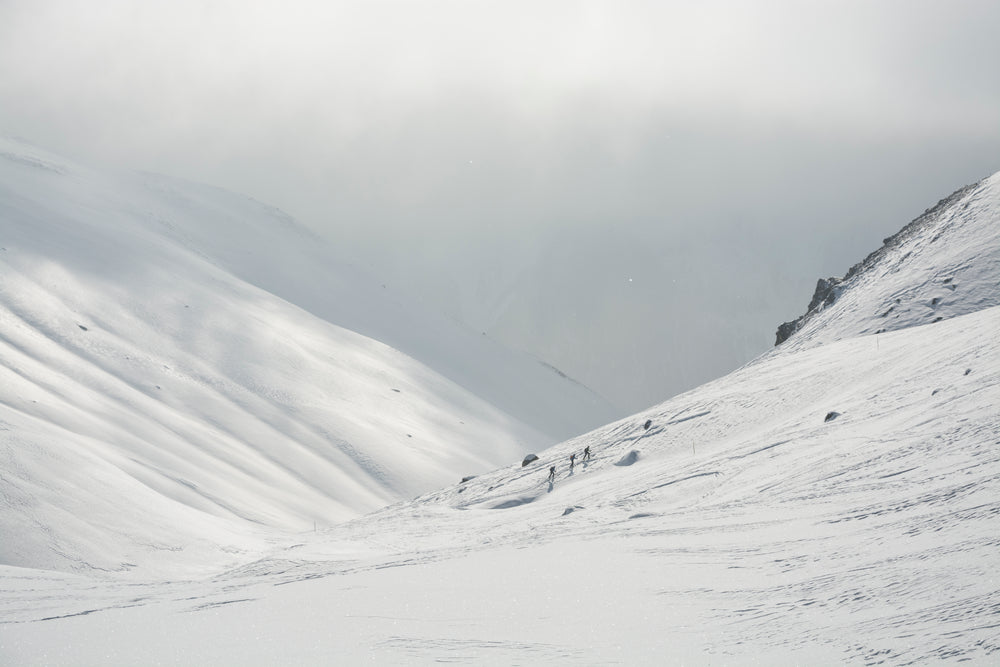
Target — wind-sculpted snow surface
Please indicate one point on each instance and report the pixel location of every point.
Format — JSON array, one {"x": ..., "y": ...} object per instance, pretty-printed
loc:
[
  {"x": 943, "y": 264},
  {"x": 748, "y": 528}
]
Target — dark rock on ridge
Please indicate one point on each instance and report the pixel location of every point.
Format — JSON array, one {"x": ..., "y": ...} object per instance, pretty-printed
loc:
[{"x": 827, "y": 290}]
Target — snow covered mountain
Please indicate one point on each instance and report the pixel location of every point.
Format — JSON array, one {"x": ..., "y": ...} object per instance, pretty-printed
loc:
[
  {"x": 262, "y": 246},
  {"x": 148, "y": 363},
  {"x": 834, "y": 501},
  {"x": 944, "y": 264}
]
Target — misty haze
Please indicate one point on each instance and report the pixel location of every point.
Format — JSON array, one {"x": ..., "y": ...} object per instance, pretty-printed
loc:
[
  {"x": 378, "y": 328},
  {"x": 635, "y": 193}
]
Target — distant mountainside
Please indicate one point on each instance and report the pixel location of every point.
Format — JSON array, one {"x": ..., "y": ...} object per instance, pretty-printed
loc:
[
  {"x": 265, "y": 247},
  {"x": 175, "y": 368},
  {"x": 944, "y": 264}
]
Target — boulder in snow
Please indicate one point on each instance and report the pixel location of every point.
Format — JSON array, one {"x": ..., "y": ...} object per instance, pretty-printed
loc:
[{"x": 629, "y": 458}]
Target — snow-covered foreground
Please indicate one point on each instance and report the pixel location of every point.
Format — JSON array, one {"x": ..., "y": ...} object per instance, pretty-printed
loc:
[{"x": 748, "y": 527}]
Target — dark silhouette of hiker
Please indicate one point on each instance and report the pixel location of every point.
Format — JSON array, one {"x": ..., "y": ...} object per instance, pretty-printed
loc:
[
  {"x": 552, "y": 474},
  {"x": 572, "y": 460},
  {"x": 649, "y": 422},
  {"x": 586, "y": 453}
]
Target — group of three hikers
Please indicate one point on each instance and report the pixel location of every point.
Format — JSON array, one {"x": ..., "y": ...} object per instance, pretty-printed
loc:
[
  {"x": 572, "y": 462},
  {"x": 586, "y": 455}
]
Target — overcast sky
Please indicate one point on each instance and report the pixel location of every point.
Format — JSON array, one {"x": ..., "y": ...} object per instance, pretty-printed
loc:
[{"x": 639, "y": 192}]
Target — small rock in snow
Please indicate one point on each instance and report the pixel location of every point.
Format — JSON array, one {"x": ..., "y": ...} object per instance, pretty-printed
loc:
[{"x": 629, "y": 458}]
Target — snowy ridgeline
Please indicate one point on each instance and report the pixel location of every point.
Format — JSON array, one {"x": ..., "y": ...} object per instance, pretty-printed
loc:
[
  {"x": 833, "y": 501},
  {"x": 943, "y": 264}
]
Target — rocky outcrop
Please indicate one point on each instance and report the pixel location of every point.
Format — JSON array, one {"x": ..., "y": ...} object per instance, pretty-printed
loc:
[
  {"x": 825, "y": 294},
  {"x": 828, "y": 290}
]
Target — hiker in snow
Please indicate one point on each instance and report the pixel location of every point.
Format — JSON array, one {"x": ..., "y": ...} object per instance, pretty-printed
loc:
[
  {"x": 552, "y": 474},
  {"x": 586, "y": 453},
  {"x": 572, "y": 460}
]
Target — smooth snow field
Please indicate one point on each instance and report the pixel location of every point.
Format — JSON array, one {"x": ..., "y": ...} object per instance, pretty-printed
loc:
[{"x": 211, "y": 474}]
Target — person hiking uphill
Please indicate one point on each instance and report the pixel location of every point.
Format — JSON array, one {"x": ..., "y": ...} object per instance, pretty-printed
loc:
[
  {"x": 572, "y": 461},
  {"x": 586, "y": 453},
  {"x": 552, "y": 474}
]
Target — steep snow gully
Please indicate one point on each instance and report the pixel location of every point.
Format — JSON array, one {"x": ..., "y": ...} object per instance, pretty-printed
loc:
[{"x": 837, "y": 500}]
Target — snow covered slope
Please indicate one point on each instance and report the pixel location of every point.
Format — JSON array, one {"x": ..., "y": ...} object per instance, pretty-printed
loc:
[
  {"x": 264, "y": 247},
  {"x": 943, "y": 264},
  {"x": 745, "y": 528},
  {"x": 153, "y": 401},
  {"x": 826, "y": 504}
]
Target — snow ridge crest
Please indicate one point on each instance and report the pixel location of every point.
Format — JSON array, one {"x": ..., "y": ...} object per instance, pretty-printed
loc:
[{"x": 915, "y": 277}]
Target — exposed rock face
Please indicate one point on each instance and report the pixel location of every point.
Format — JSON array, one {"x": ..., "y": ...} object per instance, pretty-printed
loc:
[{"x": 826, "y": 293}]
